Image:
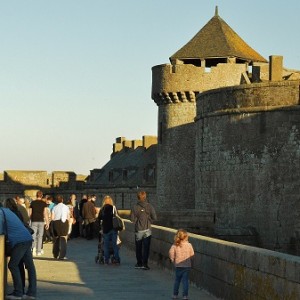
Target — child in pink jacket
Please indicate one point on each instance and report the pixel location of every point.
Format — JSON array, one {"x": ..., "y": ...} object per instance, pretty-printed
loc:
[{"x": 181, "y": 254}]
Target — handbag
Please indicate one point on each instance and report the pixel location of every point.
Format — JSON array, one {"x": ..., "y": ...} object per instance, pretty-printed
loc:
[{"x": 118, "y": 223}]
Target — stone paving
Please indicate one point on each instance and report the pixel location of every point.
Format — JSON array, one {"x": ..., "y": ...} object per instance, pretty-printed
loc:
[{"x": 80, "y": 277}]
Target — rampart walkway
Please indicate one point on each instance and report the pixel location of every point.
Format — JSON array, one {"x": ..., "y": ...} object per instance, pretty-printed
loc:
[{"x": 81, "y": 278}]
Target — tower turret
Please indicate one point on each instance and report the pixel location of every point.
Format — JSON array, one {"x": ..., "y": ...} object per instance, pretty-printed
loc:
[{"x": 215, "y": 57}]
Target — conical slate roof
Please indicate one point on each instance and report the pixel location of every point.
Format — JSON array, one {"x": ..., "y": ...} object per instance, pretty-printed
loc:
[{"x": 217, "y": 40}]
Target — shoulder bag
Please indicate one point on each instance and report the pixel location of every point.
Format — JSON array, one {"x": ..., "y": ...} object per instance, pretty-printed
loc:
[{"x": 118, "y": 223}]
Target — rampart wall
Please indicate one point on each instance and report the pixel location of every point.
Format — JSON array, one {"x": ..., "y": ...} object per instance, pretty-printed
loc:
[
  {"x": 247, "y": 161},
  {"x": 27, "y": 183},
  {"x": 229, "y": 270},
  {"x": 174, "y": 89}
]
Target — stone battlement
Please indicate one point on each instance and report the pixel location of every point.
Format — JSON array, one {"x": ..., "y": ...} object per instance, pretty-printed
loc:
[
  {"x": 179, "y": 83},
  {"x": 248, "y": 98}
]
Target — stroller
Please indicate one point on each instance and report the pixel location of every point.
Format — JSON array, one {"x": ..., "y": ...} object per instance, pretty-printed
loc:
[{"x": 99, "y": 258}]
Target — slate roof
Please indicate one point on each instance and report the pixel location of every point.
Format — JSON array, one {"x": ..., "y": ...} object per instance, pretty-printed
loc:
[
  {"x": 217, "y": 40},
  {"x": 134, "y": 161}
]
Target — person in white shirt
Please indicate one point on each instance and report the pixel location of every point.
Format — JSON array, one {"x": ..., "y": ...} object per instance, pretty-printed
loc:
[{"x": 60, "y": 220}]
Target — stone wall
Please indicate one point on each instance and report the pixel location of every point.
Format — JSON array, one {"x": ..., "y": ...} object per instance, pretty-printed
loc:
[
  {"x": 29, "y": 178},
  {"x": 247, "y": 160},
  {"x": 183, "y": 77},
  {"x": 27, "y": 183},
  {"x": 228, "y": 270},
  {"x": 176, "y": 156},
  {"x": 174, "y": 88}
]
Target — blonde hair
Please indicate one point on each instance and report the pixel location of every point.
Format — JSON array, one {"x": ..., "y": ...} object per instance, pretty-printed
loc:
[
  {"x": 107, "y": 200},
  {"x": 181, "y": 235}
]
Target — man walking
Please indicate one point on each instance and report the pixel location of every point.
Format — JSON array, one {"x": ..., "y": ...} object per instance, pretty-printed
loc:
[
  {"x": 142, "y": 215},
  {"x": 39, "y": 220},
  {"x": 89, "y": 215},
  {"x": 60, "y": 218}
]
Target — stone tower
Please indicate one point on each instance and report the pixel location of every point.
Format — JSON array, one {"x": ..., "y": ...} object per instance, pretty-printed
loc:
[{"x": 215, "y": 57}]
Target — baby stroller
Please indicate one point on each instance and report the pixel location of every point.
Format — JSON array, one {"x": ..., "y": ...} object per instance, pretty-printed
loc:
[{"x": 99, "y": 258}]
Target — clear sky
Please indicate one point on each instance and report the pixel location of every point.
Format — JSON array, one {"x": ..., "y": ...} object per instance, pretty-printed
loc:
[{"x": 76, "y": 74}]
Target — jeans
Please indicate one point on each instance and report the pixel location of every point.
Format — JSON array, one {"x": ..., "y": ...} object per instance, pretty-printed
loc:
[
  {"x": 22, "y": 252},
  {"x": 142, "y": 249},
  {"x": 37, "y": 236},
  {"x": 111, "y": 236},
  {"x": 182, "y": 274}
]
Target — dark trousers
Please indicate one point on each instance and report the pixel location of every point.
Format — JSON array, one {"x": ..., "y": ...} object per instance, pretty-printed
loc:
[
  {"x": 75, "y": 230},
  {"x": 59, "y": 249},
  {"x": 60, "y": 231},
  {"x": 142, "y": 250},
  {"x": 89, "y": 228}
]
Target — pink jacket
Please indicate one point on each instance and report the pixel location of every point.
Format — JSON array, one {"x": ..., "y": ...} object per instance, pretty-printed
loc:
[{"x": 182, "y": 255}]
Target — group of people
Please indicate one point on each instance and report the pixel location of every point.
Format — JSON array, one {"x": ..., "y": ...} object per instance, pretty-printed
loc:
[
  {"x": 24, "y": 228},
  {"x": 143, "y": 215},
  {"x": 59, "y": 219}
]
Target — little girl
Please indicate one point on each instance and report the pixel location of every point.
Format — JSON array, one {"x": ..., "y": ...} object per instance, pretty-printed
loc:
[{"x": 181, "y": 254}]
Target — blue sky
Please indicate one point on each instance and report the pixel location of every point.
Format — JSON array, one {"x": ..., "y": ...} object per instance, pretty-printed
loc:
[{"x": 74, "y": 75}]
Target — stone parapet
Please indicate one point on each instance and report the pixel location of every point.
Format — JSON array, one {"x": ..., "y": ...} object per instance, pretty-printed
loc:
[
  {"x": 229, "y": 270},
  {"x": 181, "y": 83},
  {"x": 246, "y": 98}
]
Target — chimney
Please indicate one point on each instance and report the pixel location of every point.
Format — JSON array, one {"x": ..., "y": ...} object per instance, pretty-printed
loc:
[
  {"x": 136, "y": 143},
  {"x": 275, "y": 67},
  {"x": 118, "y": 145},
  {"x": 149, "y": 140}
]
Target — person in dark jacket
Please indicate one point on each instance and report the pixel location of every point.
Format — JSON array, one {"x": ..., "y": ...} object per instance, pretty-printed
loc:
[
  {"x": 89, "y": 216},
  {"x": 109, "y": 233},
  {"x": 142, "y": 215}
]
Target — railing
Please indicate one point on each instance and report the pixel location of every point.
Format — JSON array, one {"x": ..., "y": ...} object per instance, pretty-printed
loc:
[{"x": 229, "y": 270}]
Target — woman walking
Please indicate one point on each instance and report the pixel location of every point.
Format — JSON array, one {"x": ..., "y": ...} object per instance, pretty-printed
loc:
[{"x": 110, "y": 235}]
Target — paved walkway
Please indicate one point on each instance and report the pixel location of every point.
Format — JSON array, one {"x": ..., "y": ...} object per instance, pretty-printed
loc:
[{"x": 81, "y": 278}]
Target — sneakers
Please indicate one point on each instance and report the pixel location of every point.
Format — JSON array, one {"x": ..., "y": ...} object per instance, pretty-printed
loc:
[
  {"x": 28, "y": 297},
  {"x": 138, "y": 266},
  {"x": 185, "y": 297},
  {"x": 12, "y": 296},
  {"x": 62, "y": 258},
  {"x": 175, "y": 297},
  {"x": 39, "y": 254},
  {"x": 145, "y": 267}
]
